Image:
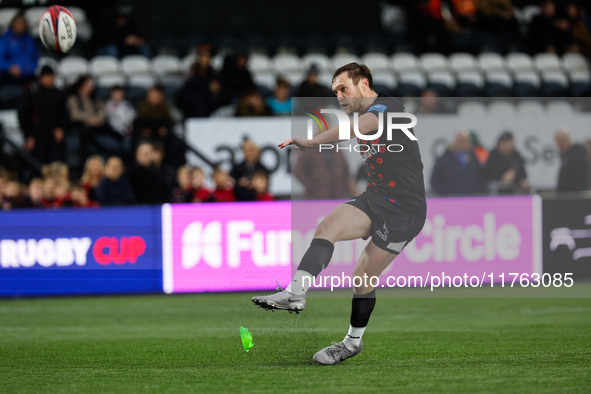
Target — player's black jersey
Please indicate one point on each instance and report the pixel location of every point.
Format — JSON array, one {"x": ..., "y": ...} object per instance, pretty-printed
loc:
[{"x": 395, "y": 179}]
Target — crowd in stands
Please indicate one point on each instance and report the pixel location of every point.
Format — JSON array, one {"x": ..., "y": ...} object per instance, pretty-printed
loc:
[
  {"x": 448, "y": 26},
  {"x": 466, "y": 167},
  {"x": 134, "y": 131},
  {"x": 149, "y": 180}
]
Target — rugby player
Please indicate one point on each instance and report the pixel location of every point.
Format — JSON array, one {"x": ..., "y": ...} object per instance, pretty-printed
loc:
[{"x": 391, "y": 211}]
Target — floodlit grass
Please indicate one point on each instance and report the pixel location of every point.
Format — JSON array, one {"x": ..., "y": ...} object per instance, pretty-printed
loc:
[{"x": 191, "y": 343}]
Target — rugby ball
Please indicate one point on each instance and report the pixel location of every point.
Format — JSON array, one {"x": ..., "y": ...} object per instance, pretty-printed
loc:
[{"x": 57, "y": 29}]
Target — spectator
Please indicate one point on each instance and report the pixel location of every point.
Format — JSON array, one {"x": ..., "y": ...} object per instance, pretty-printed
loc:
[
  {"x": 34, "y": 198},
  {"x": 587, "y": 145},
  {"x": 62, "y": 192},
  {"x": 252, "y": 104},
  {"x": 154, "y": 120},
  {"x": 479, "y": 150},
  {"x": 201, "y": 93},
  {"x": 147, "y": 184},
  {"x": 18, "y": 60},
  {"x": 573, "y": 175},
  {"x": 119, "y": 35},
  {"x": 114, "y": 189},
  {"x": 183, "y": 192},
  {"x": 88, "y": 112},
  {"x": 50, "y": 199},
  {"x": 458, "y": 171},
  {"x": 280, "y": 103},
  {"x": 235, "y": 78},
  {"x": 200, "y": 192},
  {"x": 260, "y": 184},
  {"x": 547, "y": 32},
  {"x": 94, "y": 170},
  {"x": 41, "y": 119},
  {"x": 79, "y": 198},
  {"x": 243, "y": 172},
  {"x": 506, "y": 166},
  {"x": 165, "y": 171},
  {"x": 324, "y": 175},
  {"x": 430, "y": 103},
  {"x": 497, "y": 18},
  {"x": 311, "y": 87},
  {"x": 581, "y": 38},
  {"x": 11, "y": 198},
  {"x": 120, "y": 114},
  {"x": 224, "y": 187}
]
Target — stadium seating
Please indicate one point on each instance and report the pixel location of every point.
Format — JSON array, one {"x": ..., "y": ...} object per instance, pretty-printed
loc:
[
  {"x": 404, "y": 74},
  {"x": 6, "y": 15},
  {"x": 258, "y": 63},
  {"x": 377, "y": 62},
  {"x": 470, "y": 84},
  {"x": 463, "y": 62},
  {"x": 321, "y": 61},
  {"x": 341, "y": 59},
  {"x": 434, "y": 62},
  {"x": 502, "y": 109},
  {"x": 527, "y": 84},
  {"x": 72, "y": 67},
  {"x": 491, "y": 62},
  {"x": 166, "y": 65},
  {"x": 104, "y": 65},
  {"x": 136, "y": 64},
  {"x": 405, "y": 62}
]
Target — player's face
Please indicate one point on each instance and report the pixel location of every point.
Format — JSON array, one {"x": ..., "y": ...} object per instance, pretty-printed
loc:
[{"x": 349, "y": 95}]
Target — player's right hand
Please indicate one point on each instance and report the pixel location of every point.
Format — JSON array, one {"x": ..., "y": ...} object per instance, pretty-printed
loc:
[{"x": 300, "y": 143}]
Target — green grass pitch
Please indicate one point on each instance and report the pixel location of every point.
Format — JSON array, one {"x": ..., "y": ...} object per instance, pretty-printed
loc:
[{"x": 191, "y": 344}]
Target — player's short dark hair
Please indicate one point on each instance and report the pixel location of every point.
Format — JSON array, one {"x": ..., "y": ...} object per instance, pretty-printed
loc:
[{"x": 356, "y": 72}]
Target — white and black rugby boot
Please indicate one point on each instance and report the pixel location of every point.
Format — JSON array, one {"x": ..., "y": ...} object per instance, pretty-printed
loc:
[
  {"x": 282, "y": 300},
  {"x": 336, "y": 353}
]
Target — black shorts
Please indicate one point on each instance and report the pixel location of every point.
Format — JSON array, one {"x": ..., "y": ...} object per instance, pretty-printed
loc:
[{"x": 390, "y": 230}]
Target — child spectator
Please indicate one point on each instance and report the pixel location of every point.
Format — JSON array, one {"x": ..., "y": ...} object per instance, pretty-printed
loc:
[
  {"x": 62, "y": 192},
  {"x": 79, "y": 198},
  {"x": 224, "y": 187},
  {"x": 50, "y": 199},
  {"x": 200, "y": 193},
  {"x": 114, "y": 189},
  {"x": 35, "y": 195},
  {"x": 252, "y": 104},
  {"x": 280, "y": 103},
  {"x": 184, "y": 192},
  {"x": 93, "y": 173},
  {"x": 11, "y": 197},
  {"x": 260, "y": 184},
  {"x": 120, "y": 112}
]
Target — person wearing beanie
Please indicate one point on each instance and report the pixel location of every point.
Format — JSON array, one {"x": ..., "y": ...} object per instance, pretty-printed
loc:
[{"x": 41, "y": 118}]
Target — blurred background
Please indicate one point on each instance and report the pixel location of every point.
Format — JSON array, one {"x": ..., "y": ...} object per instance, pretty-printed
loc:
[{"x": 126, "y": 101}]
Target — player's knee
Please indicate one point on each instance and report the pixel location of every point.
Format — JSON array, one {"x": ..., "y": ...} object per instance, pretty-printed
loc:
[{"x": 323, "y": 230}]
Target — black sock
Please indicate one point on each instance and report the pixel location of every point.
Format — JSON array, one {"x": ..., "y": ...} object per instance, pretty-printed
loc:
[
  {"x": 317, "y": 256},
  {"x": 362, "y": 307}
]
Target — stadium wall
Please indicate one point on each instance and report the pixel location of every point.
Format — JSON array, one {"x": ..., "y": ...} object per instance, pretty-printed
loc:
[{"x": 178, "y": 248}]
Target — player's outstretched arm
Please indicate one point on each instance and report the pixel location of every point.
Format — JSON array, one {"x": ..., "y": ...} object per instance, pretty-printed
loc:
[{"x": 367, "y": 123}]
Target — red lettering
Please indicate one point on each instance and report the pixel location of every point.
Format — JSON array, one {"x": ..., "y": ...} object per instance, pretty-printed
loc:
[
  {"x": 119, "y": 252},
  {"x": 98, "y": 248},
  {"x": 137, "y": 247}
]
